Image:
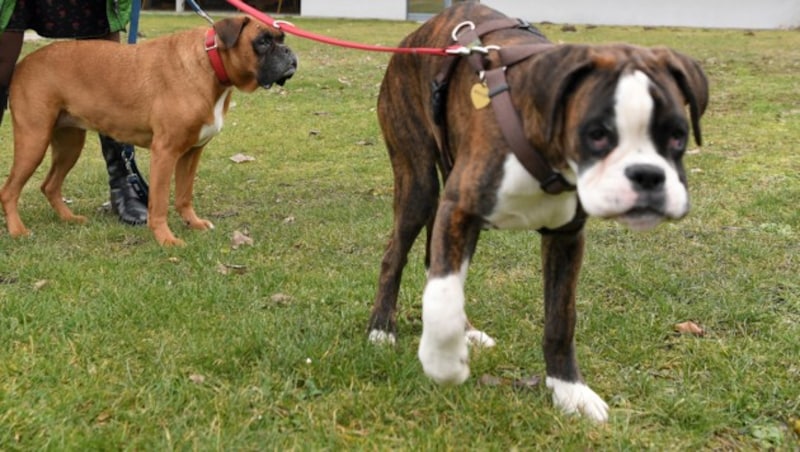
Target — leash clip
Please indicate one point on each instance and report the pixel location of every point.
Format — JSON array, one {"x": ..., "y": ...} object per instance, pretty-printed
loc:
[
  {"x": 469, "y": 50},
  {"x": 484, "y": 50},
  {"x": 458, "y": 50}
]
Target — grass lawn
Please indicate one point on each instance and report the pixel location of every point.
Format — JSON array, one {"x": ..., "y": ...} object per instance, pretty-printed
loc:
[{"x": 111, "y": 342}]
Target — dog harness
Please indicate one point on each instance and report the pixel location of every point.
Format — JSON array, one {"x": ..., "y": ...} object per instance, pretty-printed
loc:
[{"x": 468, "y": 35}]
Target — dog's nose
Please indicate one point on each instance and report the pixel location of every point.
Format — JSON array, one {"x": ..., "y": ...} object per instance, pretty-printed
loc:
[{"x": 645, "y": 177}]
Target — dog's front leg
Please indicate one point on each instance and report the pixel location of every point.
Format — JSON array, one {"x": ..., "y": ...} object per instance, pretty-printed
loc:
[
  {"x": 562, "y": 254},
  {"x": 185, "y": 173},
  {"x": 162, "y": 165},
  {"x": 443, "y": 347}
]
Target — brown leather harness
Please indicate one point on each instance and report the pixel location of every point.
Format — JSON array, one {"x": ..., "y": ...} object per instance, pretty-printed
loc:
[
  {"x": 508, "y": 119},
  {"x": 469, "y": 36}
]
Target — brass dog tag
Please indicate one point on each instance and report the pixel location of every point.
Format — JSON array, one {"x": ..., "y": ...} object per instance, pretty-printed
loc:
[{"x": 479, "y": 95}]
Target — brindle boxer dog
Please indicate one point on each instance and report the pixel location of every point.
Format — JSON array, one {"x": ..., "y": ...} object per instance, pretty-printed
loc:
[
  {"x": 169, "y": 94},
  {"x": 609, "y": 126}
]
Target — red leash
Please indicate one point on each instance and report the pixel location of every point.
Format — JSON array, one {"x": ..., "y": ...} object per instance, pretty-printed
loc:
[{"x": 288, "y": 27}]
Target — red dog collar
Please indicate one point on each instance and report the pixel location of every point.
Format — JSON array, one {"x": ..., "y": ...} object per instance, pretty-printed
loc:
[{"x": 213, "y": 56}]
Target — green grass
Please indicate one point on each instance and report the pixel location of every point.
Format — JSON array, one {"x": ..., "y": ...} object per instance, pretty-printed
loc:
[{"x": 110, "y": 342}]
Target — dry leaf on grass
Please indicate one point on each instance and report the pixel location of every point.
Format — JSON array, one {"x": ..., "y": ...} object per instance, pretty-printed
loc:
[
  {"x": 689, "y": 327},
  {"x": 518, "y": 383},
  {"x": 527, "y": 383},
  {"x": 197, "y": 378},
  {"x": 40, "y": 284},
  {"x": 227, "y": 269},
  {"x": 241, "y": 158},
  {"x": 280, "y": 298},
  {"x": 491, "y": 380},
  {"x": 239, "y": 239},
  {"x": 103, "y": 417}
]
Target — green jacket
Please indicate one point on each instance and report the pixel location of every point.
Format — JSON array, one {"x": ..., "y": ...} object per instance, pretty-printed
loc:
[{"x": 119, "y": 13}]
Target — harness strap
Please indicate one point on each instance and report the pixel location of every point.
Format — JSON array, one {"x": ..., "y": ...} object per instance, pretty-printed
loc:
[
  {"x": 511, "y": 125},
  {"x": 471, "y": 37},
  {"x": 512, "y": 55},
  {"x": 442, "y": 80},
  {"x": 508, "y": 118}
]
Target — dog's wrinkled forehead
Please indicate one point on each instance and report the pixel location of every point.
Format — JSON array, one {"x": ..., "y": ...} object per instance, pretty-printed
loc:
[
  {"x": 230, "y": 31},
  {"x": 266, "y": 32},
  {"x": 644, "y": 91},
  {"x": 266, "y": 40},
  {"x": 628, "y": 108},
  {"x": 674, "y": 80}
]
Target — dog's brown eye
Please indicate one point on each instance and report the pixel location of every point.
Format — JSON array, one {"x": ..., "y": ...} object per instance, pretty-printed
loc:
[
  {"x": 263, "y": 44},
  {"x": 677, "y": 141},
  {"x": 599, "y": 140}
]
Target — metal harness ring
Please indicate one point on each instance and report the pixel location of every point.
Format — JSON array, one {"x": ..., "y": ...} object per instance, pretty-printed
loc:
[
  {"x": 277, "y": 24},
  {"x": 457, "y": 28}
]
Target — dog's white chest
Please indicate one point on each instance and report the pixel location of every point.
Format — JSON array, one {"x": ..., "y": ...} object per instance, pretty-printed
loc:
[
  {"x": 209, "y": 131},
  {"x": 521, "y": 203}
]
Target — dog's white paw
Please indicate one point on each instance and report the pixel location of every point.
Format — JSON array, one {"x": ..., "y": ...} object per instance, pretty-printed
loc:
[
  {"x": 577, "y": 398},
  {"x": 444, "y": 359},
  {"x": 443, "y": 347},
  {"x": 380, "y": 337},
  {"x": 478, "y": 338}
]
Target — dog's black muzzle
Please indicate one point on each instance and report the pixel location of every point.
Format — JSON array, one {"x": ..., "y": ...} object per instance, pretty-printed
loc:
[{"x": 277, "y": 68}]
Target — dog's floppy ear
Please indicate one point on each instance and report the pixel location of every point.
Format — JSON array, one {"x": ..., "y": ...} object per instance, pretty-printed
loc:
[
  {"x": 558, "y": 73},
  {"x": 692, "y": 82},
  {"x": 229, "y": 30}
]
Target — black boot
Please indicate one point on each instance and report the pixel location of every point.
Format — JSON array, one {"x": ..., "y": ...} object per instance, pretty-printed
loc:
[{"x": 128, "y": 188}]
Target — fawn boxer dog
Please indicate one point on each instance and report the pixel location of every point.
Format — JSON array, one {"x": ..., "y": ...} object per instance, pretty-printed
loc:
[
  {"x": 169, "y": 94},
  {"x": 525, "y": 134}
]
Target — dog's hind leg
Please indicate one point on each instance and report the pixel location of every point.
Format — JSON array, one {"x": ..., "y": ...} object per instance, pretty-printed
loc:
[
  {"x": 67, "y": 144},
  {"x": 416, "y": 194},
  {"x": 562, "y": 254},
  {"x": 29, "y": 151}
]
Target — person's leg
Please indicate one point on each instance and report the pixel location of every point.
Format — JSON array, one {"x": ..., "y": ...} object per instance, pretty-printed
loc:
[
  {"x": 127, "y": 202},
  {"x": 128, "y": 189},
  {"x": 10, "y": 46}
]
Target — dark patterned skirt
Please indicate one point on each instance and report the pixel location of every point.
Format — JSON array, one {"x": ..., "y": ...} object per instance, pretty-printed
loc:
[{"x": 61, "y": 18}]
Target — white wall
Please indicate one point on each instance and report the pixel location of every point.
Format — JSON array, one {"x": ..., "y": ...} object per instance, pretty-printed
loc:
[
  {"x": 364, "y": 9},
  {"x": 688, "y": 13}
]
